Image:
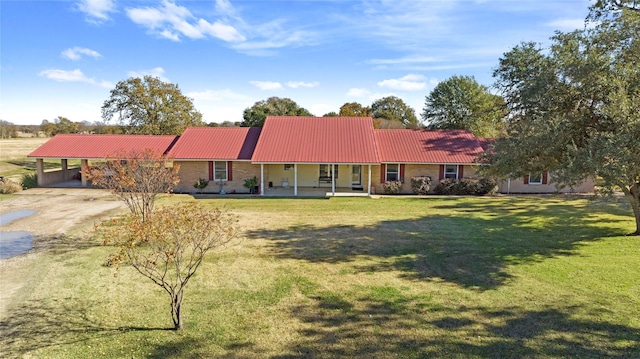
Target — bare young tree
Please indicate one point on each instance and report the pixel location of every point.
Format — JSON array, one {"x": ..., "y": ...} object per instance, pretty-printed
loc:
[
  {"x": 169, "y": 246},
  {"x": 136, "y": 177}
]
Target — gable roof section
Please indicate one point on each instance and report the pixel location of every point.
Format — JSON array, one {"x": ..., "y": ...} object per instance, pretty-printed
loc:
[
  {"x": 99, "y": 146},
  {"x": 298, "y": 139},
  {"x": 427, "y": 146},
  {"x": 216, "y": 143}
]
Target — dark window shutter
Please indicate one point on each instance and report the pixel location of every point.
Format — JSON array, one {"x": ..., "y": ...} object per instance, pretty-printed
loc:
[
  {"x": 210, "y": 170},
  {"x": 383, "y": 173},
  {"x": 460, "y": 171},
  {"x": 402, "y": 172},
  {"x": 545, "y": 176},
  {"x": 526, "y": 179},
  {"x": 441, "y": 174},
  {"x": 229, "y": 172}
]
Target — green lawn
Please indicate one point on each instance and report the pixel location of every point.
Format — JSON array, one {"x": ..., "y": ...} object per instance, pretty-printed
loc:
[{"x": 356, "y": 277}]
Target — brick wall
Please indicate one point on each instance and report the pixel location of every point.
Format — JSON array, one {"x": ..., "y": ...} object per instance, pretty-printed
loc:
[{"x": 191, "y": 171}]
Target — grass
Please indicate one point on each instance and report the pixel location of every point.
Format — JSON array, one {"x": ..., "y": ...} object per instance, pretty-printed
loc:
[{"x": 354, "y": 277}]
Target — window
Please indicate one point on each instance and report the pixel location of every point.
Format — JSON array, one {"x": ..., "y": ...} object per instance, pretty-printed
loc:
[
  {"x": 393, "y": 172},
  {"x": 451, "y": 171},
  {"x": 325, "y": 171},
  {"x": 220, "y": 170},
  {"x": 535, "y": 178},
  {"x": 288, "y": 166}
]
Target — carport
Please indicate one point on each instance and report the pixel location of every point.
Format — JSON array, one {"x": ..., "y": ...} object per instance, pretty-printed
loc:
[{"x": 86, "y": 147}]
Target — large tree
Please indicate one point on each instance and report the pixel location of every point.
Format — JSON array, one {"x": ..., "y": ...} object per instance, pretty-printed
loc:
[
  {"x": 64, "y": 125},
  {"x": 354, "y": 109},
  {"x": 461, "y": 103},
  {"x": 169, "y": 246},
  {"x": 394, "y": 109},
  {"x": 575, "y": 109},
  {"x": 255, "y": 115},
  {"x": 150, "y": 106}
]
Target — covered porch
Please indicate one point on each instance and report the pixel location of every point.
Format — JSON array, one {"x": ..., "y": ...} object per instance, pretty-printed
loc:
[{"x": 296, "y": 179}]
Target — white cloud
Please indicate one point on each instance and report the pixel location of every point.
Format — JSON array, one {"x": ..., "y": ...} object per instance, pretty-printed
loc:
[
  {"x": 404, "y": 60},
  {"x": 411, "y": 82},
  {"x": 73, "y": 76},
  {"x": 97, "y": 11},
  {"x": 296, "y": 84},
  {"x": 266, "y": 85},
  {"x": 76, "y": 53},
  {"x": 172, "y": 22},
  {"x": 155, "y": 72},
  {"x": 358, "y": 92},
  {"x": 566, "y": 24},
  {"x": 218, "y": 95}
]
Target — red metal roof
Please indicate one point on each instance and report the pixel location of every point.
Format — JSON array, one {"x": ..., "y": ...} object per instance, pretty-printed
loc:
[
  {"x": 216, "y": 143},
  {"x": 291, "y": 139},
  {"x": 99, "y": 146},
  {"x": 427, "y": 146}
]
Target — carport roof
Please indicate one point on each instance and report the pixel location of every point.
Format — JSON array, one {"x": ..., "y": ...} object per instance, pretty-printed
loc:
[
  {"x": 86, "y": 146},
  {"x": 300, "y": 139},
  {"x": 427, "y": 146},
  {"x": 216, "y": 143}
]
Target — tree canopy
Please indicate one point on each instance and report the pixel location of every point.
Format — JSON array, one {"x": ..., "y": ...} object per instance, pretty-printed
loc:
[
  {"x": 136, "y": 177},
  {"x": 169, "y": 246},
  {"x": 150, "y": 106},
  {"x": 461, "y": 103},
  {"x": 575, "y": 109},
  {"x": 255, "y": 115},
  {"x": 354, "y": 109},
  {"x": 394, "y": 109}
]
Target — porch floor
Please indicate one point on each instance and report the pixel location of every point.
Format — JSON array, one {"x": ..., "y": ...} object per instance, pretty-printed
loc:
[{"x": 314, "y": 192}]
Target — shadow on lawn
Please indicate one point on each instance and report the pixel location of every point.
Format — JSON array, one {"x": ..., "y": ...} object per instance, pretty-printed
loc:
[
  {"x": 43, "y": 323},
  {"x": 471, "y": 246},
  {"x": 409, "y": 329}
]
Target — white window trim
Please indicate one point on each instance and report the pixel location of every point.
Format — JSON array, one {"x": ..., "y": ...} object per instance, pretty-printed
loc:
[
  {"x": 386, "y": 172},
  {"x": 226, "y": 171},
  {"x": 457, "y": 171},
  {"x": 536, "y": 182}
]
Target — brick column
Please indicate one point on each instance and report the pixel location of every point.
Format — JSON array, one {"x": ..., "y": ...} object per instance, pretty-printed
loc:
[
  {"x": 40, "y": 171},
  {"x": 83, "y": 164}
]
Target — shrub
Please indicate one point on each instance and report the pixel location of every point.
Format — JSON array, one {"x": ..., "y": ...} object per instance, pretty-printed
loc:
[
  {"x": 251, "y": 184},
  {"x": 29, "y": 181},
  {"x": 201, "y": 184},
  {"x": 466, "y": 186},
  {"x": 420, "y": 185},
  {"x": 8, "y": 187},
  {"x": 392, "y": 187}
]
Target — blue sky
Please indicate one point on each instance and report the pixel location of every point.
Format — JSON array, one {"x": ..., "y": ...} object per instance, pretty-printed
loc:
[{"x": 62, "y": 58}]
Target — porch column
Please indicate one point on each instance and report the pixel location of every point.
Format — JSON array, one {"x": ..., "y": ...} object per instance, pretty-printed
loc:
[
  {"x": 84, "y": 163},
  {"x": 262, "y": 179},
  {"x": 40, "y": 171},
  {"x": 333, "y": 179},
  {"x": 369, "y": 182},
  {"x": 295, "y": 179},
  {"x": 65, "y": 166}
]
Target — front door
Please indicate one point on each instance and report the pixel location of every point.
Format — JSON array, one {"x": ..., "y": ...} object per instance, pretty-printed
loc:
[{"x": 356, "y": 176}]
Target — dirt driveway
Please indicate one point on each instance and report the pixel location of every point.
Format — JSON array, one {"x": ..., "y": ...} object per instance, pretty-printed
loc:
[{"x": 57, "y": 211}]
